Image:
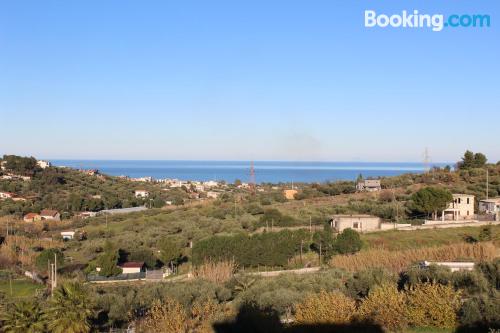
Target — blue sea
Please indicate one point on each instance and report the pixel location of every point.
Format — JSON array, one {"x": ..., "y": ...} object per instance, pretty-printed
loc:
[{"x": 229, "y": 171}]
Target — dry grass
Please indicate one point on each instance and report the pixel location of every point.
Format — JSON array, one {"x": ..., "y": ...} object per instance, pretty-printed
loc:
[
  {"x": 20, "y": 249},
  {"x": 397, "y": 261},
  {"x": 215, "y": 271}
]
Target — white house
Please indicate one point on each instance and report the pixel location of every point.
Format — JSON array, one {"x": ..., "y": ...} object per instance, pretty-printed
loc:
[
  {"x": 461, "y": 208},
  {"x": 43, "y": 164},
  {"x": 141, "y": 194},
  {"x": 358, "y": 222},
  {"x": 68, "y": 235},
  {"x": 211, "y": 183},
  {"x": 132, "y": 267},
  {"x": 49, "y": 214}
]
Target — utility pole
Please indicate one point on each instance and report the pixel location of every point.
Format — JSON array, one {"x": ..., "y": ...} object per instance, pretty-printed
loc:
[
  {"x": 310, "y": 224},
  {"x": 320, "y": 254},
  {"x": 487, "y": 183}
]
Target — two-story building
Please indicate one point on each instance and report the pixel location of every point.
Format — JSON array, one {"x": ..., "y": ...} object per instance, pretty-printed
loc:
[{"x": 461, "y": 208}]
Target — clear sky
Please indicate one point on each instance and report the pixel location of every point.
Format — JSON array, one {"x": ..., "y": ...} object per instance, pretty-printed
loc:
[{"x": 240, "y": 80}]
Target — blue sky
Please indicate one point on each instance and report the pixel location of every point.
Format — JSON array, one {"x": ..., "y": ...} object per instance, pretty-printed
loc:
[{"x": 240, "y": 80}]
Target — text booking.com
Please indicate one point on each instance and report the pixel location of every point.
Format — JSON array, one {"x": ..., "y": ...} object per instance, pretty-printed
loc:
[{"x": 436, "y": 22}]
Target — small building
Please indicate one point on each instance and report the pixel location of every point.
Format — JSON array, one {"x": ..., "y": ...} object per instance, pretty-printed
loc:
[
  {"x": 32, "y": 217},
  {"x": 290, "y": 194},
  {"x": 461, "y": 208},
  {"x": 489, "y": 206},
  {"x": 7, "y": 195},
  {"x": 141, "y": 193},
  {"x": 51, "y": 215},
  {"x": 132, "y": 267},
  {"x": 43, "y": 164},
  {"x": 358, "y": 222},
  {"x": 369, "y": 185},
  {"x": 68, "y": 235},
  {"x": 211, "y": 183}
]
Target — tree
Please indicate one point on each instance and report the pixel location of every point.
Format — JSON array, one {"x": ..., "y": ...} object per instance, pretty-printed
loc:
[
  {"x": 471, "y": 160},
  {"x": 325, "y": 308},
  {"x": 47, "y": 257},
  {"x": 69, "y": 309},
  {"x": 237, "y": 182},
  {"x": 348, "y": 241},
  {"x": 108, "y": 261},
  {"x": 479, "y": 160},
  {"x": 385, "y": 306},
  {"x": 430, "y": 200},
  {"x": 22, "y": 317},
  {"x": 169, "y": 316},
  {"x": 323, "y": 240},
  {"x": 170, "y": 252},
  {"x": 432, "y": 305}
]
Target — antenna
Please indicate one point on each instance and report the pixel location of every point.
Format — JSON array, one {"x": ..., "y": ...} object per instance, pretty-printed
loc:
[{"x": 427, "y": 159}]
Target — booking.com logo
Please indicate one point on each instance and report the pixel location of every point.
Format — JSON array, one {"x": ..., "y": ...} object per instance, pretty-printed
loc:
[{"x": 436, "y": 22}]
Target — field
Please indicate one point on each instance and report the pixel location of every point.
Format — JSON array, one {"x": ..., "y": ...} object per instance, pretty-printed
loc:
[
  {"x": 394, "y": 240},
  {"x": 20, "y": 288}
]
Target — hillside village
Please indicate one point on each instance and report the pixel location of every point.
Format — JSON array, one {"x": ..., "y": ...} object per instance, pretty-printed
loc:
[{"x": 120, "y": 235}]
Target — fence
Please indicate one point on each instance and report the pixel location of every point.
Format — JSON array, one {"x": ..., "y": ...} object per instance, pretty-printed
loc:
[{"x": 121, "y": 277}]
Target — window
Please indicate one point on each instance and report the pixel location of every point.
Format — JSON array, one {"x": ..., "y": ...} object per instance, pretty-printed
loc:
[
  {"x": 355, "y": 225},
  {"x": 468, "y": 203}
]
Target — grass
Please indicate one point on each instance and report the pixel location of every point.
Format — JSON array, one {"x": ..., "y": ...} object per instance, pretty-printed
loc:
[
  {"x": 20, "y": 288},
  {"x": 403, "y": 240},
  {"x": 429, "y": 330},
  {"x": 396, "y": 261}
]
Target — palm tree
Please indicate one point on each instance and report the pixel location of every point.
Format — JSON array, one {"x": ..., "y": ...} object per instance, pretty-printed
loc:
[
  {"x": 22, "y": 317},
  {"x": 69, "y": 310}
]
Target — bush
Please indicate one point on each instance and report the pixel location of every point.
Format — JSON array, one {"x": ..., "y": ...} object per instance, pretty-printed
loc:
[
  {"x": 433, "y": 305},
  {"x": 360, "y": 284},
  {"x": 348, "y": 242},
  {"x": 481, "y": 312},
  {"x": 47, "y": 257},
  {"x": 385, "y": 306},
  {"x": 325, "y": 308},
  {"x": 168, "y": 316}
]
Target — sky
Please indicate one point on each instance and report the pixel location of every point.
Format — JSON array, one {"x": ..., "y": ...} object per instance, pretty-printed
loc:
[{"x": 245, "y": 80}]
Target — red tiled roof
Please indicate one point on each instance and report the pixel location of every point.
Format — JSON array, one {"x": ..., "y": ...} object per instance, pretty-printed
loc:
[
  {"x": 49, "y": 212},
  {"x": 31, "y": 216},
  {"x": 132, "y": 264}
]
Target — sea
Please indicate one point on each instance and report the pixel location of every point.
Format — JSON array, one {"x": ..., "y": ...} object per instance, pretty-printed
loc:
[{"x": 229, "y": 171}]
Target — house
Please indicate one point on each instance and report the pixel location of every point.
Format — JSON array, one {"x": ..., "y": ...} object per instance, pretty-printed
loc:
[
  {"x": 7, "y": 195},
  {"x": 290, "y": 194},
  {"x": 141, "y": 194},
  {"x": 461, "y": 208},
  {"x": 68, "y": 235},
  {"x": 210, "y": 183},
  {"x": 51, "y": 215},
  {"x": 490, "y": 206},
  {"x": 358, "y": 222},
  {"x": 132, "y": 267},
  {"x": 43, "y": 164},
  {"x": 32, "y": 217},
  {"x": 369, "y": 185}
]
